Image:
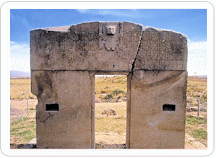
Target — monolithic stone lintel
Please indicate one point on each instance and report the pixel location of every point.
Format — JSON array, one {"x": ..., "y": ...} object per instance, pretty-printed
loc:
[{"x": 90, "y": 46}]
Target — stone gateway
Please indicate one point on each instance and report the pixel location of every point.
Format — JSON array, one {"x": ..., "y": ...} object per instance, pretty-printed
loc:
[{"x": 65, "y": 60}]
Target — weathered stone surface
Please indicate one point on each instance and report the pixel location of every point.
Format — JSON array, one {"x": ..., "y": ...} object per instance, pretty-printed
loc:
[
  {"x": 70, "y": 127},
  {"x": 86, "y": 46},
  {"x": 150, "y": 126},
  {"x": 162, "y": 50},
  {"x": 61, "y": 28}
]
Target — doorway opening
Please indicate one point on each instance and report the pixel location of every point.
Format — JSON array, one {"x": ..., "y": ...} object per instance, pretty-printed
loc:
[{"x": 110, "y": 111}]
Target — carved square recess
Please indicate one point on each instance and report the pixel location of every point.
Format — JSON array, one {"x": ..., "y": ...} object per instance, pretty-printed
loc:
[{"x": 110, "y": 30}]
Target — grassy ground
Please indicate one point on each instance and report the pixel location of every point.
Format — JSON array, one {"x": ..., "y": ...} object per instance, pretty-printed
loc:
[
  {"x": 22, "y": 130},
  {"x": 196, "y": 87},
  {"x": 21, "y": 89},
  {"x": 109, "y": 130},
  {"x": 108, "y": 89},
  {"x": 197, "y": 127}
]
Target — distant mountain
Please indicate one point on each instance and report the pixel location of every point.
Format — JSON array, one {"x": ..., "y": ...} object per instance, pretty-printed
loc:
[
  {"x": 198, "y": 77},
  {"x": 19, "y": 74},
  {"x": 203, "y": 76}
]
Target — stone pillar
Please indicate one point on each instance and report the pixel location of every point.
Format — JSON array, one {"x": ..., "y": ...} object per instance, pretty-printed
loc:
[
  {"x": 158, "y": 100},
  {"x": 64, "y": 108},
  {"x": 158, "y": 91}
]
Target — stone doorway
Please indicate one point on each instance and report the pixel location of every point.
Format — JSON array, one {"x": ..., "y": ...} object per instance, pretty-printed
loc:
[
  {"x": 65, "y": 60},
  {"x": 110, "y": 111}
]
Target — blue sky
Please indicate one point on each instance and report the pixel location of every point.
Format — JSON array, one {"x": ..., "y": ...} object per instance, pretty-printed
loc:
[{"x": 191, "y": 22}]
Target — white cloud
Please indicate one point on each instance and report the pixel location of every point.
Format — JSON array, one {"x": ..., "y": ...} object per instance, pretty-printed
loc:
[
  {"x": 197, "y": 58},
  {"x": 197, "y": 46},
  {"x": 19, "y": 57},
  {"x": 16, "y": 48},
  {"x": 133, "y": 13}
]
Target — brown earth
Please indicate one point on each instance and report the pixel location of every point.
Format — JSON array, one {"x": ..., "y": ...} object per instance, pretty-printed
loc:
[{"x": 18, "y": 108}]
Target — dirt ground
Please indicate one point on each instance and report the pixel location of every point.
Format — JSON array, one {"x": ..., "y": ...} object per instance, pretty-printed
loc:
[
  {"x": 102, "y": 140},
  {"x": 18, "y": 108}
]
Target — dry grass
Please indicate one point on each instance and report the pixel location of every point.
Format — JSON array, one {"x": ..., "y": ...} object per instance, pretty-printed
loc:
[
  {"x": 196, "y": 86},
  {"x": 21, "y": 89},
  {"x": 108, "y": 89}
]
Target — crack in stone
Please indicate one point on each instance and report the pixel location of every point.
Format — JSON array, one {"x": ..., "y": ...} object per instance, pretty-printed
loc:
[
  {"x": 138, "y": 48},
  {"x": 50, "y": 115}
]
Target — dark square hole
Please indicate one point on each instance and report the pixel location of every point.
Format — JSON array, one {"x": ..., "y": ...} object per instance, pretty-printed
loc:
[
  {"x": 52, "y": 107},
  {"x": 168, "y": 107}
]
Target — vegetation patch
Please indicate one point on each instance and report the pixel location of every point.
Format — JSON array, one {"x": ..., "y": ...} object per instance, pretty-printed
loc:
[
  {"x": 22, "y": 130},
  {"x": 118, "y": 91},
  {"x": 199, "y": 133},
  {"x": 191, "y": 120},
  {"x": 197, "y": 127},
  {"x": 110, "y": 89}
]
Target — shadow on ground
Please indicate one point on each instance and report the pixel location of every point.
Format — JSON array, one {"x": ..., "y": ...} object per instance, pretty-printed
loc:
[
  {"x": 23, "y": 146},
  {"x": 110, "y": 146},
  {"x": 97, "y": 146}
]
